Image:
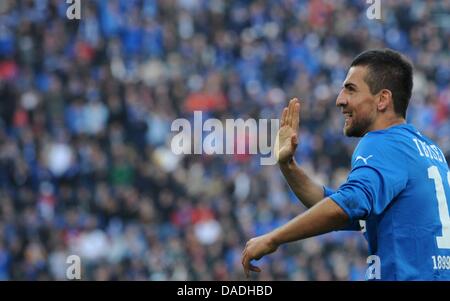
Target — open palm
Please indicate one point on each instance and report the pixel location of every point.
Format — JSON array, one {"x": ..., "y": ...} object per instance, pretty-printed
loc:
[{"x": 286, "y": 141}]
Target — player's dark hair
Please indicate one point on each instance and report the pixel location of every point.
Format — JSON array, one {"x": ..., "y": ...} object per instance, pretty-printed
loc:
[{"x": 388, "y": 69}]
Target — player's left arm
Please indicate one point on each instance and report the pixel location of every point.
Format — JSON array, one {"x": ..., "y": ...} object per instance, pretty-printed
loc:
[{"x": 324, "y": 217}]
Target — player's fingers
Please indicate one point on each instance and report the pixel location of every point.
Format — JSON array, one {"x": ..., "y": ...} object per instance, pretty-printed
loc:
[
  {"x": 296, "y": 115},
  {"x": 245, "y": 263},
  {"x": 249, "y": 267},
  {"x": 288, "y": 115},
  {"x": 246, "y": 270},
  {"x": 291, "y": 111},
  {"x": 254, "y": 268},
  {"x": 284, "y": 116}
]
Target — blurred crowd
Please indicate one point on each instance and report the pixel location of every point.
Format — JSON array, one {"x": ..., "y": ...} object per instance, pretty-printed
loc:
[{"x": 86, "y": 107}]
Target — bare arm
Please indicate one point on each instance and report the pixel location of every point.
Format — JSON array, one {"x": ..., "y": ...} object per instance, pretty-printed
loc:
[
  {"x": 306, "y": 190},
  {"x": 323, "y": 217},
  {"x": 286, "y": 143}
]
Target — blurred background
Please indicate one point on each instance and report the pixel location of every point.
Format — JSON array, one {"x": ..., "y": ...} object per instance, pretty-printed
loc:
[{"x": 86, "y": 107}]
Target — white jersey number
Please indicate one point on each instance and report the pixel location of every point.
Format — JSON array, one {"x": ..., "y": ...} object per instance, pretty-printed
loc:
[{"x": 443, "y": 241}]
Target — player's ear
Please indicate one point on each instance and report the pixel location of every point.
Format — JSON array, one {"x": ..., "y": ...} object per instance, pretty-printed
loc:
[{"x": 385, "y": 100}]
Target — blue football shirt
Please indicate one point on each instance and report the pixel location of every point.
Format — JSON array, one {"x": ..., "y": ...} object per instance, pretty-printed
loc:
[{"x": 399, "y": 187}]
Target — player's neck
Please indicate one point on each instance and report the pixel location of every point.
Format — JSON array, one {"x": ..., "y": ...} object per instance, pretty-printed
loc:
[{"x": 385, "y": 123}]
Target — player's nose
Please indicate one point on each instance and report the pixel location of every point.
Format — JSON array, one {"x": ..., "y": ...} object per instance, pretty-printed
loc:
[{"x": 341, "y": 100}]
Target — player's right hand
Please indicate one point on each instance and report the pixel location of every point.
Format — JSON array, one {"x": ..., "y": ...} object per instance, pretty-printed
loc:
[
  {"x": 255, "y": 249},
  {"x": 287, "y": 141}
]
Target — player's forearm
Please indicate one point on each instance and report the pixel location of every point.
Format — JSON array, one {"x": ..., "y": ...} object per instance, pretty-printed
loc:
[
  {"x": 326, "y": 216},
  {"x": 308, "y": 192}
]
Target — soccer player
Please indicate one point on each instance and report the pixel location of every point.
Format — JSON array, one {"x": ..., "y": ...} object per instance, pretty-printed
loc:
[{"x": 398, "y": 188}]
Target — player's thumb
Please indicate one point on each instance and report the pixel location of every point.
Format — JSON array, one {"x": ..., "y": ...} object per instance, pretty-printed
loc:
[{"x": 294, "y": 140}]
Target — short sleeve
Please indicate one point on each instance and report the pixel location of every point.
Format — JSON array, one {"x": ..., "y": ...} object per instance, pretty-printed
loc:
[
  {"x": 378, "y": 175},
  {"x": 327, "y": 191},
  {"x": 353, "y": 225}
]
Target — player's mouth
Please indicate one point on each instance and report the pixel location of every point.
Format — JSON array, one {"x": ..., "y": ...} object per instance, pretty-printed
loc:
[{"x": 347, "y": 116}]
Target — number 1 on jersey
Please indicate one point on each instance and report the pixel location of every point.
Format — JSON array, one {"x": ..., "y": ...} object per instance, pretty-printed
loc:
[{"x": 443, "y": 242}]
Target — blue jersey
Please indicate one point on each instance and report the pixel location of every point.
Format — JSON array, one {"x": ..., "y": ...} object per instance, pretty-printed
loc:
[{"x": 399, "y": 187}]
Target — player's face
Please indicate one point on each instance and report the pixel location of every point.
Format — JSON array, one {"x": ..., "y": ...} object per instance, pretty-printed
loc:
[{"x": 357, "y": 103}]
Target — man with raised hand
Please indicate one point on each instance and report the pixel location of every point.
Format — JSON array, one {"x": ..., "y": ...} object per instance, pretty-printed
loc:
[{"x": 399, "y": 183}]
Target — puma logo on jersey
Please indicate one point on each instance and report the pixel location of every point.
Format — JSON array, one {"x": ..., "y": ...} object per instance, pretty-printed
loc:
[{"x": 364, "y": 159}]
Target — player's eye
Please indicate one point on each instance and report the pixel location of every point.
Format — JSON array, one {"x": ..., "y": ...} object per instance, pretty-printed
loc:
[{"x": 349, "y": 88}]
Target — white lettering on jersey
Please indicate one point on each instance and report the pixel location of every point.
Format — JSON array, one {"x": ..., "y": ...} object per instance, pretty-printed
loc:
[{"x": 429, "y": 151}]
